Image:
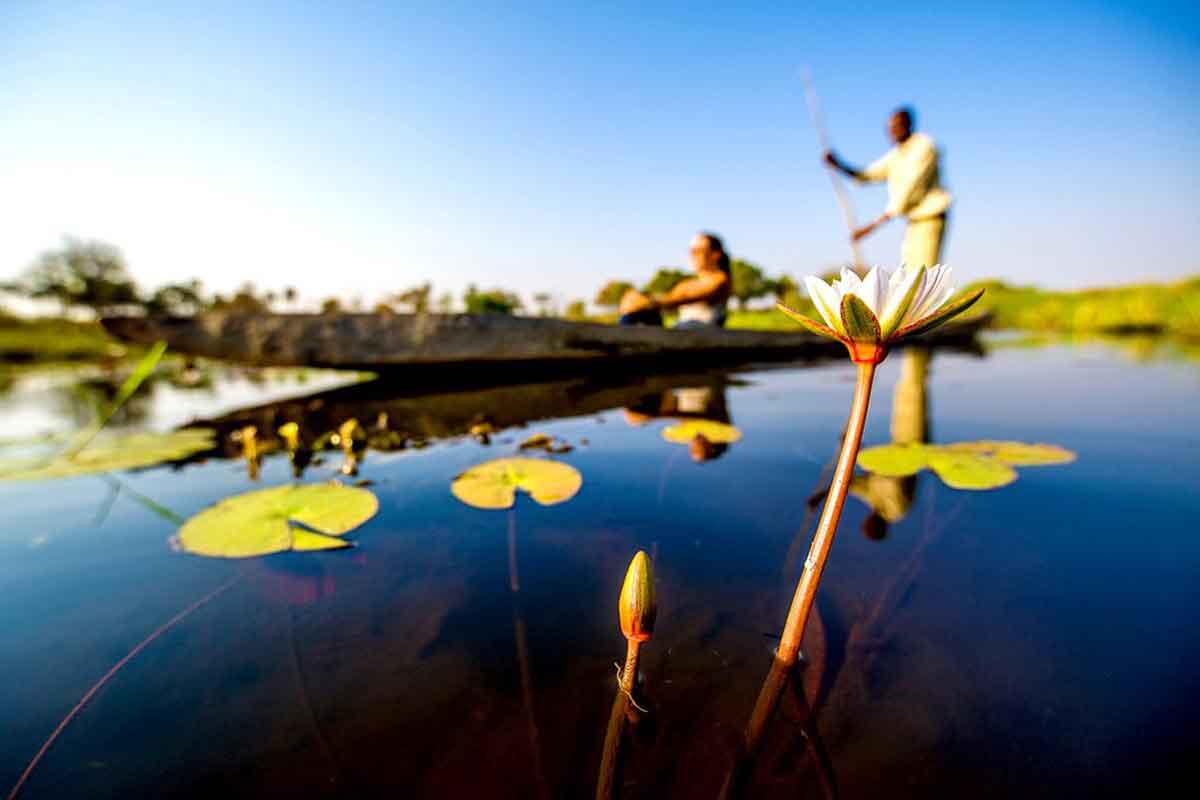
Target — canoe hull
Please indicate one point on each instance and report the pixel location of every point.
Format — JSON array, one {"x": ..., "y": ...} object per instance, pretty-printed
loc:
[{"x": 380, "y": 341}]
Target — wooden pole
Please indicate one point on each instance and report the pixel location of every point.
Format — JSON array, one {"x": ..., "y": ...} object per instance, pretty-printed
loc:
[{"x": 839, "y": 190}]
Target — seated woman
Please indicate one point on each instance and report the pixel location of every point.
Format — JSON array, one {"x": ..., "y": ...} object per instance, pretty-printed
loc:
[{"x": 701, "y": 300}]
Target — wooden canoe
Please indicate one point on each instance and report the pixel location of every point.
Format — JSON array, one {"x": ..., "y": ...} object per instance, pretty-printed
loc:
[{"x": 382, "y": 341}]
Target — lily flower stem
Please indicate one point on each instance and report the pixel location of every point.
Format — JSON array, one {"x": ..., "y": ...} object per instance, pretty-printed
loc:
[
  {"x": 629, "y": 673},
  {"x": 610, "y": 761},
  {"x": 831, "y": 514}
]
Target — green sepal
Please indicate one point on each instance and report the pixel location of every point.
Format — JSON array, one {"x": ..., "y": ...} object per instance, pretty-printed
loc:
[
  {"x": 939, "y": 317},
  {"x": 858, "y": 320},
  {"x": 811, "y": 324}
]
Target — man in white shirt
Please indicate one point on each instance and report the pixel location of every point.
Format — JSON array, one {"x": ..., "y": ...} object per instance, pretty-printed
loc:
[{"x": 914, "y": 189}]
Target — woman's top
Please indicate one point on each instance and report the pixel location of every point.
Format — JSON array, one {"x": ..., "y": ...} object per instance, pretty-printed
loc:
[{"x": 704, "y": 312}]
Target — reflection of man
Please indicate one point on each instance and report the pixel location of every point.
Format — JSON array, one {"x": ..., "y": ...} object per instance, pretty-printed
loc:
[
  {"x": 890, "y": 498},
  {"x": 693, "y": 402},
  {"x": 914, "y": 189}
]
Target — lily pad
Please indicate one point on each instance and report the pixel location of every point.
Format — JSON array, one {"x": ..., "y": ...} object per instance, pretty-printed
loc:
[
  {"x": 963, "y": 470},
  {"x": 1017, "y": 454},
  {"x": 113, "y": 453},
  {"x": 895, "y": 460},
  {"x": 258, "y": 523},
  {"x": 494, "y": 484},
  {"x": 686, "y": 430},
  {"x": 963, "y": 465}
]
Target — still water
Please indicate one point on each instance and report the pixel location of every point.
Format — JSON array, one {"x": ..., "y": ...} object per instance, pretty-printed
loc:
[{"x": 1038, "y": 640}]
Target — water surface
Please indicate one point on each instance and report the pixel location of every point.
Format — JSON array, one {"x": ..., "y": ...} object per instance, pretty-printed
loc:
[{"x": 1037, "y": 640}]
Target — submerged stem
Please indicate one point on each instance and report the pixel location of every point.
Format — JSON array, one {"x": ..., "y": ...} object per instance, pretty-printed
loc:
[
  {"x": 818, "y": 552},
  {"x": 610, "y": 761}
]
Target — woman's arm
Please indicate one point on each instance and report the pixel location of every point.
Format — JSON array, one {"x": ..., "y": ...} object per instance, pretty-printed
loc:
[{"x": 708, "y": 286}]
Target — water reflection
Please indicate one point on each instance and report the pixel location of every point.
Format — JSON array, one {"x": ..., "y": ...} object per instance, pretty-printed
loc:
[
  {"x": 407, "y": 417},
  {"x": 470, "y": 656},
  {"x": 797, "y": 724},
  {"x": 703, "y": 403}
]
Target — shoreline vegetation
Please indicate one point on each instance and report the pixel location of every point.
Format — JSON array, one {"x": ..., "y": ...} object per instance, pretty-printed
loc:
[{"x": 1166, "y": 309}]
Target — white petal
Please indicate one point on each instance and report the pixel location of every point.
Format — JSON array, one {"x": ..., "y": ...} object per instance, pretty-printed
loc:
[
  {"x": 896, "y": 279},
  {"x": 850, "y": 282},
  {"x": 890, "y": 320},
  {"x": 826, "y": 299},
  {"x": 871, "y": 291},
  {"x": 938, "y": 292},
  {"x": 925, "y": 294}
]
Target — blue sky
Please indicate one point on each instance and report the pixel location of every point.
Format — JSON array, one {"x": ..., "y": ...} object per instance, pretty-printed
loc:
[{"x": 357, "y": 149}]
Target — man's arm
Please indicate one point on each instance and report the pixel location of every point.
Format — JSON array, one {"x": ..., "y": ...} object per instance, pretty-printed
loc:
[
  {"x": 841, "y": 166},
  {"x": 873, "y": 173},
  {"x": 869, "y": 228}
]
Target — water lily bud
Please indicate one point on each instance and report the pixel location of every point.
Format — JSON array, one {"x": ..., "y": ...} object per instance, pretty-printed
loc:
[
  {"x": 290, "y": 433},
  {"x": 637, "y": 605},
  {"x": 249, "y": 437},
  {"x": 346, "y": 433}
]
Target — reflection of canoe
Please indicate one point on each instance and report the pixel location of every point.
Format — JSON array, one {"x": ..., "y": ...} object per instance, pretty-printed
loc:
[
  {"x": 430, "y": 412},
  {"x": 374, "y": 341}
]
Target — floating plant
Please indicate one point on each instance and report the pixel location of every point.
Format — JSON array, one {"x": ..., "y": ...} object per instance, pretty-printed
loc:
[
  {"x": 684, "y": 431},
  {"x": 112, "y": 453},
  {"x": 962, "y": 465},
  {"x": 494, "y": 484},
  {"x": 868, "y": 315},
  {"x": 265, "y": 521},
  {"x": 637, "y": 609}
]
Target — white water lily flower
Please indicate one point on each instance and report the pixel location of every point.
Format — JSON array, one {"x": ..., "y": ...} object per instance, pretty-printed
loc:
[{"x": 867, "y": 314}]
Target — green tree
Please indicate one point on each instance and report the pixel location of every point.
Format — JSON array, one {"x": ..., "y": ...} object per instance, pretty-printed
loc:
[
  {"x": 445, "y": 303},
  {"x": 749, "y": 281},
  {"x": 610, "y": 294},
  {"x": 494, "y": 301},
  {"x": 81, "y": 274},
  {"x": 664, "y": 280},
  {"x": 415, "y": 299},
  {"x": 244, "y": 301},
  {"x": 177, "y": 299},
  {"x": 576, "y": 310},
  {"x": 331, "y": 305},
  {"x": 545, "y": 304}
]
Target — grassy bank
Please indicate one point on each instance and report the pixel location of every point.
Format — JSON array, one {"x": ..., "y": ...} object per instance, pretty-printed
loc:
[
  {"x": 1141, "y": 308},
  {"x": 25, "y": 341},
  {"x": 1172, "y": 308}
]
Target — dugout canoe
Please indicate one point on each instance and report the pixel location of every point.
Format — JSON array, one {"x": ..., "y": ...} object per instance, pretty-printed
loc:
[{"x": 382, "y": 341}]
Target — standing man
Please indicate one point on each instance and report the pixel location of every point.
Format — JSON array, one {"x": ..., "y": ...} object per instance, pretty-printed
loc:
[{"x": 914, "y": 189}]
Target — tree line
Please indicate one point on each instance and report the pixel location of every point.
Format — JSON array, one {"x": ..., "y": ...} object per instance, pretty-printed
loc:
[{"x": 94, "y": 276}]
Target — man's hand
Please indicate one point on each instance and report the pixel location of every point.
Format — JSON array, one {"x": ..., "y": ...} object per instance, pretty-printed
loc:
[
  {"x": 832, "y": 160},
  {"x": 869, "y": 228},
  {"x": 863, "y": 232}
]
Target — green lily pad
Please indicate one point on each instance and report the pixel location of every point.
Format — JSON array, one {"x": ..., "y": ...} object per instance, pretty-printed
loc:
[
  {"x": 963, "y": 470},
  {"x": 494, "y": 484},
  {"x": 1017, "y": 454},
  {"x": 111, "y": 454},
  {"x": 258, "y": 523},
  {"x": 895, "y": 460},
  {"x": 684, "y": 431},
  {"x": 963, "y": 465}
]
